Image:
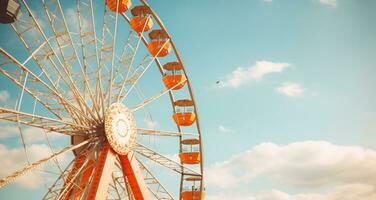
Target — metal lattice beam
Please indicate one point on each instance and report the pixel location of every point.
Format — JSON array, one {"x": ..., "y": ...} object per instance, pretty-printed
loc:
[
  {"x": 72, "y": 63},
  {"x": 88, "y": 40},
  {"x": 164, "y": 161},
  {"x": 41, "y": 51},
  {"x": 9, "y": 179},
  {"x": 142, "y": 131},
  {"x": 45, "y": 123},
  {"x": 155, "y": 187},
  {"x": 36, "y": 86}
]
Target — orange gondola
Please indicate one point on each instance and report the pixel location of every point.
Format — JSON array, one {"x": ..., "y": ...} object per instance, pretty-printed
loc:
[
  {"x": 184, "y": 119},
  {"x": 190, "y": 195},
  {"x": 160, "y": 44},
  {"x": 191, "y": 155},
  {"x": 176, "y": 81},
  {"x": 122, "y": 5},
  {"x": 193, "y": 192},
  {"x": 141, "y": 21},
  {"x": 174, "y": 78},
  {"x": 184, "y": 115}
]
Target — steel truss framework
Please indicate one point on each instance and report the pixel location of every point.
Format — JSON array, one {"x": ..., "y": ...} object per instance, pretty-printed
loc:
[{"x": 74, "y": 76}]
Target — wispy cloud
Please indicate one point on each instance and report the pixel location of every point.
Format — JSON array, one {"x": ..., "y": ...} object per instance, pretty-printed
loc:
[
  {"x": 31, "y": 134},
  {"x": 329, "y": 2},
  {"x": 304, "y": 165},
  {"x": 256, "y": 72},
  {"x": 344, "y": 192},
  {"x": 72, "y": 20},
  {"x": 14, "y": 158},
  {"x": 332, "y": 3},
  {"x": 4, "y": 96},
  {"x": 150, "y": 124},
  {"x": 290, "y": 89},
  {"x": 223, "y": 129}
]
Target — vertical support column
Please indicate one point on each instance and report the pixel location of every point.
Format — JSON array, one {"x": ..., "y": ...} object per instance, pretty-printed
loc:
[
  {"x": 102, "y": 174},
  {"x": 132, "y": 171}
]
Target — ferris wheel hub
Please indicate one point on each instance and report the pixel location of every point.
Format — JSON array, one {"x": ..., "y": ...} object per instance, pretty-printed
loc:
[{"x": 120, "y": 128}]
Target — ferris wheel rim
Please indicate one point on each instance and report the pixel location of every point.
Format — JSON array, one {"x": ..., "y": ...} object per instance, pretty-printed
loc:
[{"x": 172, "y": 99}]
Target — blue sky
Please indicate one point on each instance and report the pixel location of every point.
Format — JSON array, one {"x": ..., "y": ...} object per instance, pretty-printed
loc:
[{"x": 296, "y": 89}]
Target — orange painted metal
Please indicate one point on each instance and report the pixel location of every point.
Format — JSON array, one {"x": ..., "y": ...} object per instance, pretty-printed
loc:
[
  {"x": 84, "y": 179},
  {"x": 177, "y": 79},
  {"x": 102, "y": 173},
  {"x": 190, "y": 157},
  {"x": 132, "y": 171},
  {"x": 139, "y": 22},
  {"x": 122, "y": 6},
  {"x": 184, "y": 119},
  {"x": 191, "y": 141},
  {"x": 161, "y": 46},
  {"x": 79, "y": 161},
  {"x": 192, "y": 195},
  {"x": 172, "y": 66}
]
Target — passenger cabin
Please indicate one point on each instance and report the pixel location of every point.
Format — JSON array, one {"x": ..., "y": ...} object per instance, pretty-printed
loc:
[
  {"x": 122, "y": 5},
  {"x": 174, "y": 77},
  {"x": 184, "y": 114},
  {"x": 192, "y": 190},
  {"x": 9, "y": 11},
  {"x": 190, "y": 153},
  {"x": 160, "y": 44},
  {"x": 141, "y": 21}
]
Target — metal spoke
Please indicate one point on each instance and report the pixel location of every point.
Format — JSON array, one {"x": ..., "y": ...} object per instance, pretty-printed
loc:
[
  {"x": 70, "y": 171},
  {"x": 88, "y": 39},
  {"x": 149, "y": 132},
  {"x": 107, "y": 52},
  {"x": 9, "y": 179},
  {"x": 45, "y": 123},
  {"x": 37, "y": 88},
  {"x": 121, "y": 182},
  {"x": 144, "y": 66},
  {"x": 125, "y": 63},
  {"x": 81, "y": 165},
  {"x": 113, "y": 54},
  {"x": 115, "y": 187},
  {"x": 39, "y": 47},
  {"x": 70, "y": 181},
  {"x": 155, "y": 97},
  {"x": 164, "y": 161},
  {"x": 127, "y": 59},
  {"x": 155, "y": 187},
  {"x": 66, "y": 48}
]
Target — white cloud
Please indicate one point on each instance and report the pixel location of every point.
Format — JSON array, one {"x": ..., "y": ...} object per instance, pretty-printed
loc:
[
  {"x": 290, "y": 89},
  {"x": 31, "y": 134},
  {"x": 269, "y": 1},
  {"x": 150, "y": 124},
  {"x": 14, "y": 159},
  {"x": 255, "y": 72},
  {"x": 223, "y": 129},
  {"x": 307, "y": 165},
  {"x": 174, "y": 157},
  {"x": 8, "y": 131},
  {"x": 329, "y": 2},
  {"x": 345, "y": 192},
  {"x": 4, "y": 96},
  {"x": 72, "y": 20}
]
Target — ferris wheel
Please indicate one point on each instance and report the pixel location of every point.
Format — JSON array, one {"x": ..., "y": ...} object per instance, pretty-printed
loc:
[{"x": 92, "y": 72}]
